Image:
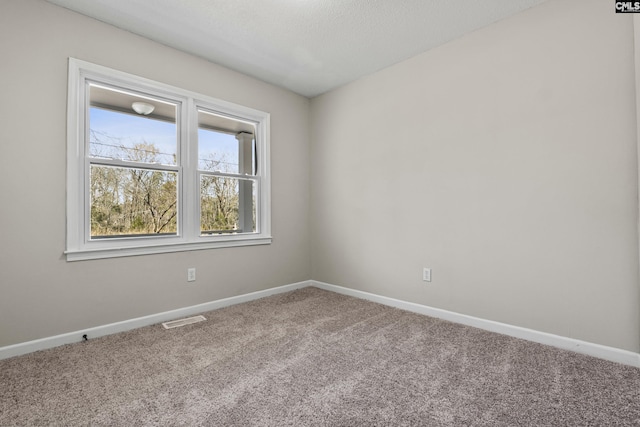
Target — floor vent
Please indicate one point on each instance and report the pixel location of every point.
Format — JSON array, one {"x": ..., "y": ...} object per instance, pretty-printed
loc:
[{"x": 181, "y": 322}]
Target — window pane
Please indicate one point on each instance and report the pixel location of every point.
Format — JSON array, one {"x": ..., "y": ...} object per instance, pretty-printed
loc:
[
  {"x": 116, "y": 131},
  {"x": 227, "y": 205},
  {"x": 217, "y": 151},
  {"x": 225, "y": 144},
  {"x": 132, "y": 202}
]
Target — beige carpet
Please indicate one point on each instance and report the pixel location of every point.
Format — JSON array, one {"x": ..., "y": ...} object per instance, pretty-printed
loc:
[{"x": 315, "y": 358}]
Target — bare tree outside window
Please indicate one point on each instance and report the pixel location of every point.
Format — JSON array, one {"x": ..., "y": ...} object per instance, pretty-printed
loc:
[{"x": 131, "y": 201}]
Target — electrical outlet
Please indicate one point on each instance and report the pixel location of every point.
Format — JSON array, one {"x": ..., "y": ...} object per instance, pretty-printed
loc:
[
  {"x": 191, "y": 274},
  {"x": 426, "y": 274}
]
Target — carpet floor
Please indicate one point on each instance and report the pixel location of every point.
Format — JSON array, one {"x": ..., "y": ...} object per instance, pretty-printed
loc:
[{"x": 315, "y": 358}]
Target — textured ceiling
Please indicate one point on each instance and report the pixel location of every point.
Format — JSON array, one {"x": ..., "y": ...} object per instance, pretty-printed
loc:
[{"x": 307, "y": 46}]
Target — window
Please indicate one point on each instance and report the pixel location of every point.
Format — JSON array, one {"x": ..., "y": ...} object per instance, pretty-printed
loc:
[{"x": 153, "y": 168}]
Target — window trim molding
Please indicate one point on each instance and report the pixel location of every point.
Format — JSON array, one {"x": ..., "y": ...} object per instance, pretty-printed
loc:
[{"x": 80, "y": 247}]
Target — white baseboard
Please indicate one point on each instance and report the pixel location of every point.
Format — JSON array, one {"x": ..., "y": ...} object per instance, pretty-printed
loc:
[
  {"x": 127, "y": 325},
  {"x": 590, "y": 349},
  {"x": 596, "y": 350}
]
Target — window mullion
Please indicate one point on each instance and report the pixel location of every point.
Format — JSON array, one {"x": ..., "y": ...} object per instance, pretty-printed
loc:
[{"x": 189, "y": 154}]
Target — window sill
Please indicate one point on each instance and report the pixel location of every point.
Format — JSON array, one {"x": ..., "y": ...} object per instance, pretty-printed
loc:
[{"x": 89, "y": 254}]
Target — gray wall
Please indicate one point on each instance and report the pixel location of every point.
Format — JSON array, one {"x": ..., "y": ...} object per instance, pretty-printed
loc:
[
  {"x": 505, "y": 161},
  {"x": 40, "y": 293}
]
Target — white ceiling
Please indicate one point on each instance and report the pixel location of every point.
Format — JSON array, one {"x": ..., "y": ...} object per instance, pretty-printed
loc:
[{"x": 307, "y": 46}]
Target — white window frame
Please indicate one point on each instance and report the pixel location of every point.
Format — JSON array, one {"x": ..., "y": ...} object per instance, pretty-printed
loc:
[{"x": 80, "y": 246}]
